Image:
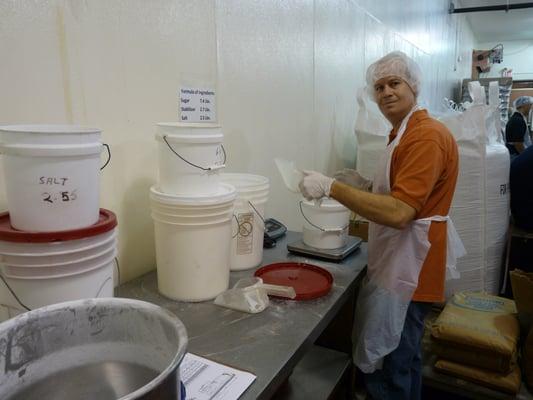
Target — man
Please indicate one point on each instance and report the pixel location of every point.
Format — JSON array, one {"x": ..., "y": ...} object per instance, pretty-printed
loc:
[
  {"x": 521, "y": 189},
  {"x": 516, "y": 132},
  {"x": 408, "y": 209}
]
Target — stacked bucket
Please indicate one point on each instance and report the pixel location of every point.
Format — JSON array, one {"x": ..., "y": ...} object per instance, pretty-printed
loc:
[
  {"x": 56, "y": 244},
  {"x": 197, "y": 213}
]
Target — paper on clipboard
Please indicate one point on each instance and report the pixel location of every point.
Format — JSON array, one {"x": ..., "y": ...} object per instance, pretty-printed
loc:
[{"x": 207, "y": 380}]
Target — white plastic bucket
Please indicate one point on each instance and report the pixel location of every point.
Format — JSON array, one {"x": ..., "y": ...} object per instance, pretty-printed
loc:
[
  {"x": 248, "y": 226},
  {"x": 193, "y": 248},
  {"x": 52, "y": 175},
  {"x": 46, "y": 268},
  {"x": 38, "y": 291},
  {"x": 325, "y": 224},
  {"x": 190, "y": 158}
]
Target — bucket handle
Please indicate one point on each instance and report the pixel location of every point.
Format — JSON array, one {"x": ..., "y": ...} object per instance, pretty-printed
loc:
[
  {"x": 258, "y": 213},
  {"x": 29, "y": 309},
  {"x": 110, "y": 278},
  {"x": 211, "y": 168},
  {"x": 318, "y": 227},
  {"x": 13, "y": 293},
  {"x": 239, "y": 225},
  {"x": 109, "y": 156}
]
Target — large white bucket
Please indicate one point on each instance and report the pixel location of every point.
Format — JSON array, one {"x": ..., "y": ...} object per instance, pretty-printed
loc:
[
  {"x": 190, "y": 158},
  {"x": 47, "y": 268},
  {"x": 326, "y": 224},
  {"x": 248, "y": 224},
  {"x": 52, "y": 175},
  {"x": 193, "y": 243}
]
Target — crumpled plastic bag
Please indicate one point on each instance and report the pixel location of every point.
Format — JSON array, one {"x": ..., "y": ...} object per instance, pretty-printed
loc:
[{"x": 251, "y": 295}]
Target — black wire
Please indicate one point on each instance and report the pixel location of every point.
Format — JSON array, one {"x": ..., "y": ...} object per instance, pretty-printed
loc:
[
  {"x": 310, "y": 223},
  {"x": 109, "y": 158},
  {"x": 257, "y": 212},
  {"x": 118, "y": 270},
  {"x": 238, "y": 227},
  {"x": 183, "y": 159},
  {"x": 13, "y": 293}
]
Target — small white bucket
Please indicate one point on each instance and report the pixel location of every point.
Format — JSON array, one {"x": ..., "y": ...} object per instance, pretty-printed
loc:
[
  {"x": 52, "y": 175},
  {"x": 248, "y": 224},
  {"x": 190, "y": 158},
  {"x": 193, "y": 248},
  {"x": 46, "y": 268},
  {"x": 325, "y": 224}
]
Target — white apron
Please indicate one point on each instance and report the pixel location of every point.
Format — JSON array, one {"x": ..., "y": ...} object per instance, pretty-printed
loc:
[{"x": 395, "y": 258}]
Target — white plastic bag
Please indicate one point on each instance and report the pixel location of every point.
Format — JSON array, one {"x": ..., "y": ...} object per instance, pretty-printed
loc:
[
  {"x": 251, "y": 295},
  {"x": 371, "y": 132},
  {"x": 481, "y": 200}
]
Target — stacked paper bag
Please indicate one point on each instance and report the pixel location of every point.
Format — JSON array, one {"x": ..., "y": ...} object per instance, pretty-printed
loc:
[{"x": 476, "y": 338}]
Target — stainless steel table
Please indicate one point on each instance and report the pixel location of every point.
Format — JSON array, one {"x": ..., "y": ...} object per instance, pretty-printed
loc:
[{"x": 268, "y": 344}]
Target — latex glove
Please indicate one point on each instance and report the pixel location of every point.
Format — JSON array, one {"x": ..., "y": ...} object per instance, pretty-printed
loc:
[
  {"x": 314, "y": 185},
  {"x": 353, "y": 178}
]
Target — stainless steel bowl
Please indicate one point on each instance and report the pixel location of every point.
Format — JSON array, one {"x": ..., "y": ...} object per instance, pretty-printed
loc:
[{"x": 103, "y": 349}]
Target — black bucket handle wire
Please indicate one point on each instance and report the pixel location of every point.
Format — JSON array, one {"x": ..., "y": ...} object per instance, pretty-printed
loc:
[
  {"x": 109, "y": 156},
  {"x": 318, "y": 227},
  {"x": 13, "y": 293},
  {"x": 194, "y": 165}
]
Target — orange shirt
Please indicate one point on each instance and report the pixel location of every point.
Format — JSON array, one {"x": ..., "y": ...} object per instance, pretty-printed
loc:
[{"x": 423, "y": 174}]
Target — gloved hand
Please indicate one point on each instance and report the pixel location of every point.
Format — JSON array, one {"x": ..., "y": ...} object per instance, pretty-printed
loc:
[
  {"x": 352, "y": 178},
  {"x": 314, "y": 185}
]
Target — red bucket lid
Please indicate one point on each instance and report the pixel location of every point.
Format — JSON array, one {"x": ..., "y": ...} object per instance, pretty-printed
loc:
[
  {"x": 106, "y": 222},
  {"x": 308, "y": 281}
]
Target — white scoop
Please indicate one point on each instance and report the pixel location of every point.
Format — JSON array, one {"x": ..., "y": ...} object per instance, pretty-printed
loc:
[{"x": 290, "y": 174}]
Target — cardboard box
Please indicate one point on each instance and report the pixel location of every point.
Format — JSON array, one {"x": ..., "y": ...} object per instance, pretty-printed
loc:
[{"x": 359, "y": 228}]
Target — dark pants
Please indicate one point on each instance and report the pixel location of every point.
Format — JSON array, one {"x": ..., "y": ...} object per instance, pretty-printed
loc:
[{"x": 401, "y": 376}]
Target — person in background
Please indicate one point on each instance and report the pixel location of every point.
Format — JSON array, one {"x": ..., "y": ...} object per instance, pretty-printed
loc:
[
  {"x": 522, "y": 190},
  {"x": 517, "y": 135},
  {"x": 407, "y": 207}
]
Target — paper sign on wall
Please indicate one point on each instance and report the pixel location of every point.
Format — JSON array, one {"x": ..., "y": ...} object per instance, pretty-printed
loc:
[{"x": 197, "y": 105}]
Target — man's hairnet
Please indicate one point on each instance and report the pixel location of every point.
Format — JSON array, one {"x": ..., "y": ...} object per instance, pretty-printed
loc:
[
  {"x": 397, "y": 64},
  {"x": 523, "y": 101}
]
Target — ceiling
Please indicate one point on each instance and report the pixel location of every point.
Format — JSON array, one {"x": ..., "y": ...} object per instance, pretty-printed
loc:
[{"x": 498, "y": 26}]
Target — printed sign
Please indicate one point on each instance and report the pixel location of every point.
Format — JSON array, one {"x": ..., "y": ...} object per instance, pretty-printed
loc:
[{"x": 197, "y": 105}]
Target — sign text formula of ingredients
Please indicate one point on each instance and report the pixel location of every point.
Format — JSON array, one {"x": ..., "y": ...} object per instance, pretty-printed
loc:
[{"x": 197, "y": 105}]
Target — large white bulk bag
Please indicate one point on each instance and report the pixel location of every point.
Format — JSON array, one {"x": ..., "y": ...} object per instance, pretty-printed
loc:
[
  {"x": 480, "y": 208},
  {"x": 371, "y": 132}
]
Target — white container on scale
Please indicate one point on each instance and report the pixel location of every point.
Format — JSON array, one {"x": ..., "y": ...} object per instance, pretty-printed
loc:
[
  {"x": 190, "y": 157},
  {"x": 52, "y": 176},
  {"x": 51, "y": 267},
  {"x": 248, "y": 224},
  {"x": 326, "y": 223},
  {"x": 192, "y": 242}
]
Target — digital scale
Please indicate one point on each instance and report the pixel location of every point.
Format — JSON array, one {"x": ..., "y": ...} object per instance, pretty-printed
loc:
[{"x": 337, "y": 255}]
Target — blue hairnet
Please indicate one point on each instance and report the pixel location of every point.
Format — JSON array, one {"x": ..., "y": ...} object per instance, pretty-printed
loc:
[
  {"x": 522, "y": 101},
  {"x": 397, "y": 64}
]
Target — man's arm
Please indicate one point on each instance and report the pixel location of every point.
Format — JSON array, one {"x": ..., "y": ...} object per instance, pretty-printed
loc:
[{"x": 379, "y": 208}]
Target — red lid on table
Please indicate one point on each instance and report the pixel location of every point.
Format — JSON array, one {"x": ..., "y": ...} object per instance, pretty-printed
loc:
[
  {"x": 106, "y": 222},
  {"x": 308, "y": 281}
]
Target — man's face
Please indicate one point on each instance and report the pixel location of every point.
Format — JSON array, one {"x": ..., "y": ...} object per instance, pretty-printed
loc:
[
  {"x": 525, "y": 109},
  {"x": 394, "y": 98}
]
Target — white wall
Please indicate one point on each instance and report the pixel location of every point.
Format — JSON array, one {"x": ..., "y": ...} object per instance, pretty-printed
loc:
[
  {"x": 285, "y": 71},
  {"x": 517, "y": 55}
]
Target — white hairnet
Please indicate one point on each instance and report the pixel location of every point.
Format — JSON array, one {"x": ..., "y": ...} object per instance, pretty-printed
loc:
[
  {"x": 397, "y": 64},
  {"x": 522, "y": 101}
]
